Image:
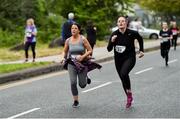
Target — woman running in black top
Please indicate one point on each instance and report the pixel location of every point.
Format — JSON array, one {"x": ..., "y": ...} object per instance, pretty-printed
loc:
[
  {"x": 122, "y": 40},
  {"x": 165, "y": 37}
]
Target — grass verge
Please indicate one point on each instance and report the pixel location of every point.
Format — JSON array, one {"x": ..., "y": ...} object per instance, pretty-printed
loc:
[
  {"x": 6, "y": 68},
  {"x": 41, "y": 51}
]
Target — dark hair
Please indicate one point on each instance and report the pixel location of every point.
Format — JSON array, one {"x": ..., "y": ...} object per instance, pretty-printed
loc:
[
  {"x": 78, "y": 25},
  {"x": 126, "y": 19}
]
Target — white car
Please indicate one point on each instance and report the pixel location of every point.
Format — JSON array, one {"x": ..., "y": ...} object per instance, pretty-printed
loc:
[{"x": 144, "y": 32}]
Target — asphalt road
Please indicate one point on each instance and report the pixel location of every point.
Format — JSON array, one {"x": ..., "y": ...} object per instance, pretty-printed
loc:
[{"x": 156, "y": 91}]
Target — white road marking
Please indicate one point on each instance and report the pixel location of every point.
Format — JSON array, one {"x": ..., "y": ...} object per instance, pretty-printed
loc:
[
  {"x": 144, "y": 70},
  {"x": 97, "y": 81},
  {"x": 102, "y": 85},
  {"x": 23, "y": 113},
  {"x": 172, "y": 61}
]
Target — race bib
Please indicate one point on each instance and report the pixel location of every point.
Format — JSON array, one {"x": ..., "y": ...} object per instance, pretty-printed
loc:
[
  {"x": 174, "y": 32},
  {"x": 74, "y": 56},
  {"x": 120, "y": 49},
  {"x": 164, "y": 40},
  {"x": 28, "y": 34}
]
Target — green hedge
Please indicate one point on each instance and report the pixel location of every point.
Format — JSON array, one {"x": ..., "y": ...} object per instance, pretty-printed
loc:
[
  {"x": 6, "y": 68},
  {"x": 8, "y": 38}
]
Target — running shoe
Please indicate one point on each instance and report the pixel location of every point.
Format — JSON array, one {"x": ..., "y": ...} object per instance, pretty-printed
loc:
[
  {"x": 88, "y": 80},
  {"x": 76, "y": 104},
  {"x": 129, "y": 100}
]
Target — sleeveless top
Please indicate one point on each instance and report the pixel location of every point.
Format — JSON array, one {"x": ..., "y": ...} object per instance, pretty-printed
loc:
[{"x": 76, "y": 48}]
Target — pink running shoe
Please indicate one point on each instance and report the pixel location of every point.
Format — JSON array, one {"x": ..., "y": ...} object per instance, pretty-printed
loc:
[{"x": 129, "y": 100}]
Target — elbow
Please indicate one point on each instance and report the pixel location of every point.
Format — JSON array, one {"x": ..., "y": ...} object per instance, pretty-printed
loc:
[
  {"x": 110, "y": 46},
  {"x": 109, "y": 49}
]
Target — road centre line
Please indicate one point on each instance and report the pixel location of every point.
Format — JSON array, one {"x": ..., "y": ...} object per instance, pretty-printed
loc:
[
  {"x": 172, "y": 61},
  {"x": 23, "y": 113},
  {"x": 144, "y": 70},
  {"x": 102, "y": 85}
]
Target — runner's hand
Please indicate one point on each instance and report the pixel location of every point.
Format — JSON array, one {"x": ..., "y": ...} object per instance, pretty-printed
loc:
[
  {"x": 113, "y": 38},
  {"x": 79, "y": 58},
  {"x": 141, "y": 54},
  {"x": 62, "y": 61}
]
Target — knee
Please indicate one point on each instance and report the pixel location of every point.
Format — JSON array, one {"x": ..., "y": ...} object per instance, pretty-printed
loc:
[
  {"x": 122, "y": 75},
  {"x": 82, "y": 86},
  {"x": 73, "y": 83},
  {"x": 33, "y": 50}
]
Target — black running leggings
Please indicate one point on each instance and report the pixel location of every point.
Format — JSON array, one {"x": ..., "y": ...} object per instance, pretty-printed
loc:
[
  {"x": 123, "y": 67},
  {"x": 165, "y": 47},
  {"x": 174, "y": 42},
  {"x": 27, "y": 45}
]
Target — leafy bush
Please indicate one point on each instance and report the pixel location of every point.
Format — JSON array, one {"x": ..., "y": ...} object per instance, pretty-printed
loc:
[
  {"x": 8, "y": 38},
  {"x": 50, "y": 29}
]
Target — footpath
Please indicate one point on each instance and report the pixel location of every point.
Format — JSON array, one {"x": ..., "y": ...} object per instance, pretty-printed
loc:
[{"x": 100, "y": 54}]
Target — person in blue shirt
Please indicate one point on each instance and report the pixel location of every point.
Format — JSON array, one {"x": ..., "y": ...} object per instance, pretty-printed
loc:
[
  {"x": 66, "y": 28},
  {"x": 30, "y": 38}
]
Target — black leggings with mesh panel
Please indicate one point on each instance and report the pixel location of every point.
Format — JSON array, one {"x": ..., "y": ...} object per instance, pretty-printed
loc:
[{"x": 123, "y": 67}]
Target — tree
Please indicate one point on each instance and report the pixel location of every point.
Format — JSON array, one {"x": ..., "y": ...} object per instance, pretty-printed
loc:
[
  {"x": 102, "y": 12},
  {"x": 166, "y": 8},
  {"x": 15, "y": 12},
  {"x": 13, "y": 18},
  {"x": 48, "y": 16}
]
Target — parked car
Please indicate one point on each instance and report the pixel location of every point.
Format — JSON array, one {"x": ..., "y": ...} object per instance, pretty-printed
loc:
[{"x": 144, "y": 32}]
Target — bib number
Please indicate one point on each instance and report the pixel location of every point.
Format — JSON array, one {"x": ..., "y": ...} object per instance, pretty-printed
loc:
[
  {"x": 120, "y": 49},
  {"x": 28, "y": 34},
  {"x": 174, "y": 32}
]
